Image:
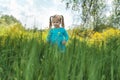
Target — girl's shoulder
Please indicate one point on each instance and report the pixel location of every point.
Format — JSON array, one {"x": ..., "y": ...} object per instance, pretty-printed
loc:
[
  {"x": 62, "y": 28},
  {"x": 57, "y": 28},
  {"x": 51, "y": 29}
]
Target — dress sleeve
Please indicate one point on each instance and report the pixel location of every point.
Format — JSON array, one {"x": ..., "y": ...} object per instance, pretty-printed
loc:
[
  {"x": 49, "y": 36},
  {"x": 66, "y": 35}
]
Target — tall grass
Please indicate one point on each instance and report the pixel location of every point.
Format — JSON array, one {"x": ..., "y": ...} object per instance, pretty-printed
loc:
[{"x": 22, "y": 59}]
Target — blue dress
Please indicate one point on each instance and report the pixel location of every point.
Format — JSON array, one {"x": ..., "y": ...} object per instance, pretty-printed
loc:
[{"x": 56, "y": 36}]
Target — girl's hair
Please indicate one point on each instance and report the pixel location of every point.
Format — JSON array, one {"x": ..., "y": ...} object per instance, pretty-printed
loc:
[
  {"x": 62, "y": 21},
  {"x": 50, "y": 22},
  {"x": 59, "y": 17}
]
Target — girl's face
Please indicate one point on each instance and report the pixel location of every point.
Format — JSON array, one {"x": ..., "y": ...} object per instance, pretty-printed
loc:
[{"x": 56, "y": 22}]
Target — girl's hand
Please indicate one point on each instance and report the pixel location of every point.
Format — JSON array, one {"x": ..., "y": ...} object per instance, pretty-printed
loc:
[{"x": 63, "y": 42}]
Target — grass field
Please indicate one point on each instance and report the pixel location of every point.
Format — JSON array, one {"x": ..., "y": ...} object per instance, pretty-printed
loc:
[{"x": 25, "y": 55}]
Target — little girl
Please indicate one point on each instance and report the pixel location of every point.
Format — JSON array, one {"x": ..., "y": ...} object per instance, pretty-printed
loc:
[{"x": 57, "y": 35}]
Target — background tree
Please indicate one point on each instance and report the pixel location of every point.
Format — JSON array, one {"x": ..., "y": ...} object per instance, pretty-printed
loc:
[
  {"x": 8, "y": 19},
  {"x": 93, "y": 12},
  {"x": 115, "y": 18}
]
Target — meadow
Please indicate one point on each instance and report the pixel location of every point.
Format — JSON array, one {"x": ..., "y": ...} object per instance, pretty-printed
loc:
[{"x": 90, "y": 55}]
